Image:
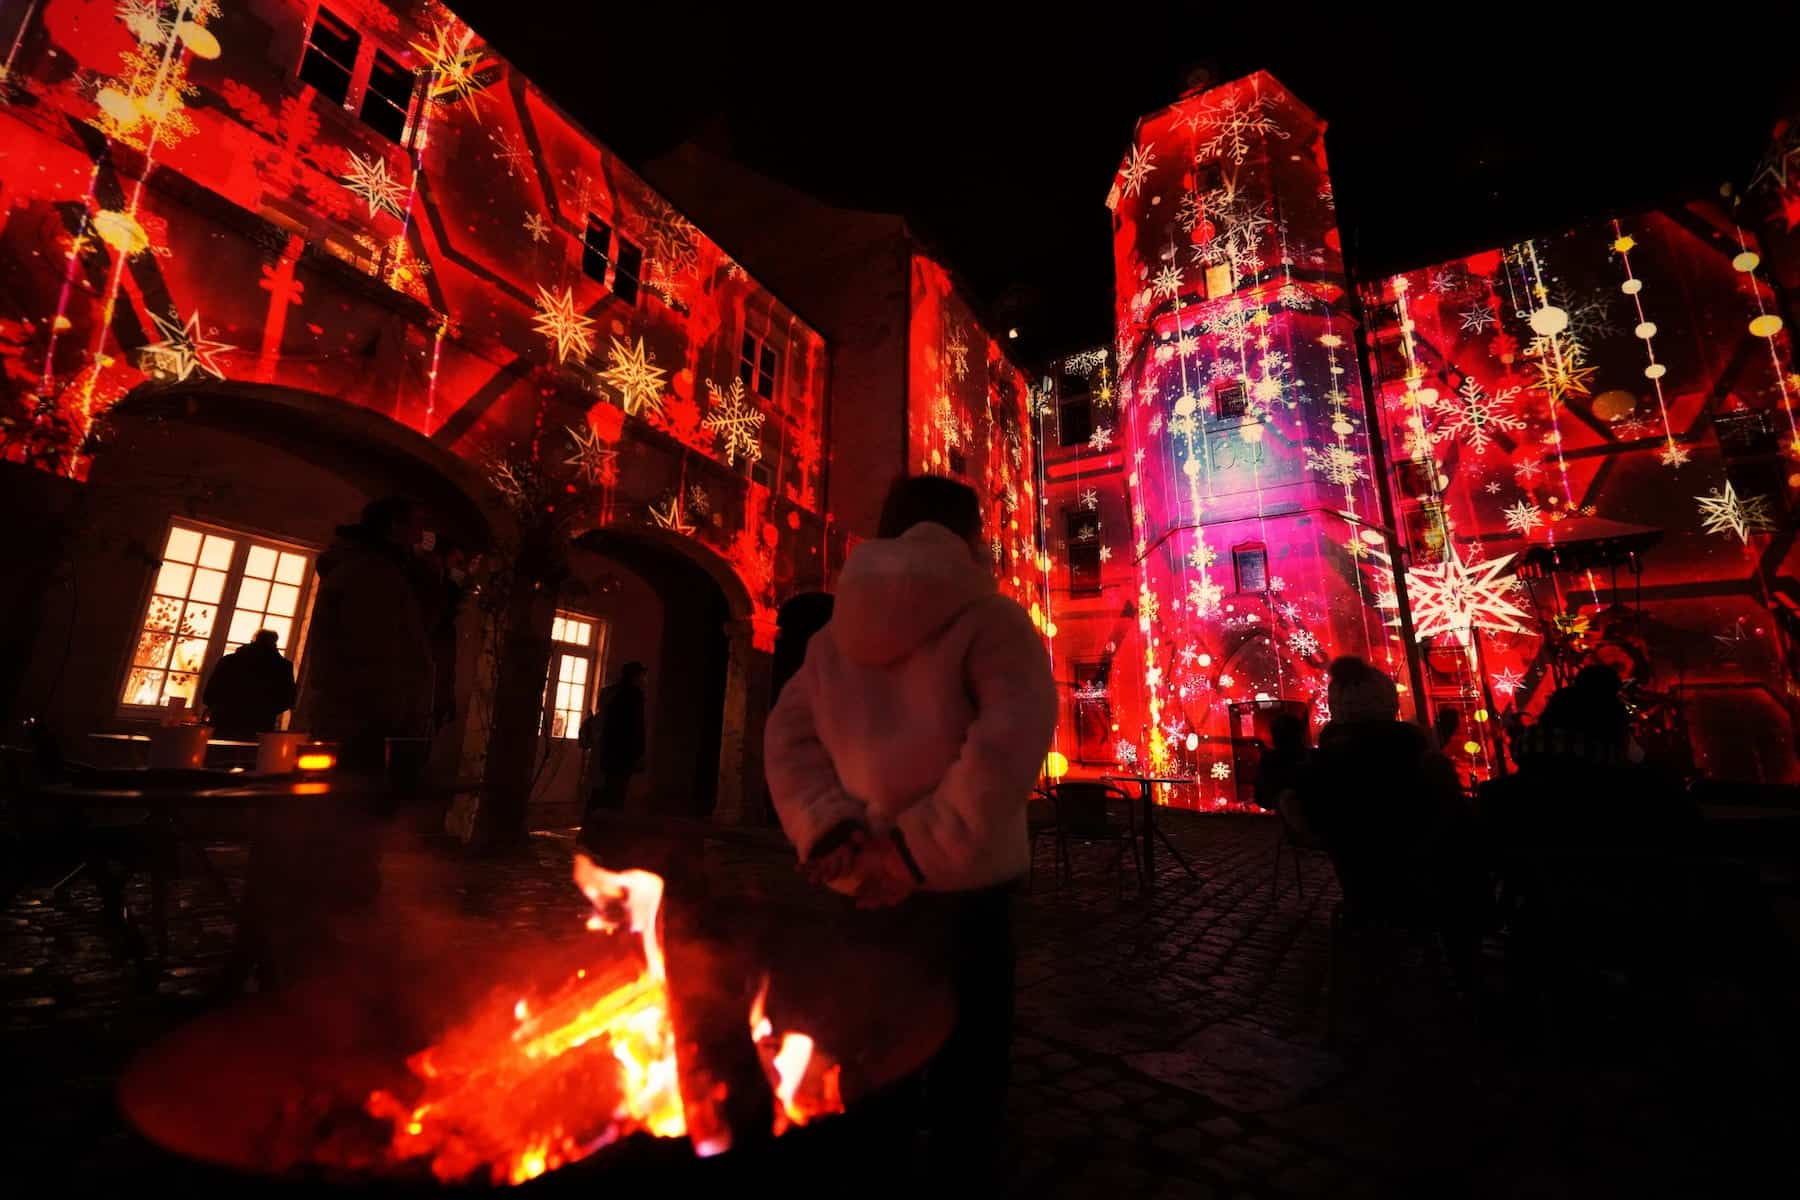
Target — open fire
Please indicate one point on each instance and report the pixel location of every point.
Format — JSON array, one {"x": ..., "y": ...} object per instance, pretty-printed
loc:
[{"x": 556, "y": 1074}]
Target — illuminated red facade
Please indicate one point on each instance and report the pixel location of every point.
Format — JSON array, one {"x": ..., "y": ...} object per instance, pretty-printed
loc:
[
  {"x": 1255, "y": 552},
  {"x": 369, "y": 205},
  {"x": 1629, "y": 376}
]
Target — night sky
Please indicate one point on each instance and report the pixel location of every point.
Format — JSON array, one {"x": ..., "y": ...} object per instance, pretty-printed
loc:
[{"x": 997, "y": 130}]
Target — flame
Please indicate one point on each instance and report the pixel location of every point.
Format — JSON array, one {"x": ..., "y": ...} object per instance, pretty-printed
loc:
[
  {"x": 546, "y": 1080},
  {"x": 807, "y": 1083}
]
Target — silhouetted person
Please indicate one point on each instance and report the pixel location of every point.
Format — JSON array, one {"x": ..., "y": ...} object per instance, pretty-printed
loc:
[
  {"x": 369, "y": 664},
  {"x": 440, "y": 576},
  {"x": 250, "y": 688},
  {"x": 902, "y": 758},
  {"x": 1576, "y": 786},
  {"x": 1278, "y": 770},
  {"x": 615, "y": 733},
  {"x": 1444, "y": 727},
  {"x": 799, "y": 618},
  {"x": 1390, "y": 812}
]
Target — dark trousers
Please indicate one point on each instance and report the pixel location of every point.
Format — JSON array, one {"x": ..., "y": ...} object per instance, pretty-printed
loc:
[
  {"x": 966, "y": 1082},
  {"x": 609, "y": 789}
]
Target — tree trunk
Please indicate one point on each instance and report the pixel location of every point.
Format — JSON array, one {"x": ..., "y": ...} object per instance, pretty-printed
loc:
[{"x": 518, "y": 705}]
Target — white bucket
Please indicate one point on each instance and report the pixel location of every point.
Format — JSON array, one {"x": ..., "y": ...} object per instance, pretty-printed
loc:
[{"x": 276, "y": 752}]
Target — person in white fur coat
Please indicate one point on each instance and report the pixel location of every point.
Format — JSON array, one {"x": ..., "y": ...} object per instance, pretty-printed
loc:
[{"x": 901, "y": 758}]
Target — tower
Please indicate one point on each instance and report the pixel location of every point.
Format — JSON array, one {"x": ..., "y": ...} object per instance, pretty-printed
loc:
[{"x": 1257, "y": 539}]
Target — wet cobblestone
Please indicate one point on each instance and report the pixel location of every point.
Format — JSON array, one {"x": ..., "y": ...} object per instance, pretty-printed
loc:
[{"x": 1167, "y": 1046}]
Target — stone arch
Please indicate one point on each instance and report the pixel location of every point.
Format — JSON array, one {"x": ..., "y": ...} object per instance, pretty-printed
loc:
[
  {"x": 343, "y": 437},
  {"x": 712, "y": 694}
]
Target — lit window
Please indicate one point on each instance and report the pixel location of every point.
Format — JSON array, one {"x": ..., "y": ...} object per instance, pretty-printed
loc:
[
  {"x": 388, "y": 99},
  {"x": 330, "y": 58},
  {"x": 205, "y": 574},
  {"x": 758, "y": 366},
  {"x": 574, "y": 660}
]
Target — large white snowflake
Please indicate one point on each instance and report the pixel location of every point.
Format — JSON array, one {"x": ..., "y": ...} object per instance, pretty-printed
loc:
[
  {"x": 736, "y": 422},
  {"x": 1090, "y": 498},
  {"x": 537, "y": 227},
  {"x": 1339, "y": 464},
  {"x": 1472, "y": 415},
  {"x": 1125, "y": 753},
  {"x": 1728, "y": 512},
  {"x": 594, "y": 461},
  {"x": 183, "y": 349},
  {"x": 369, "y": 179},
  {"x": 1138, "y": 165},
  {"x": 1523, "y": 517},
  {"x": 562, "y": 324},
  {"x": 1101, "y": 438},
  {"x": 1453, "y": 597},
  {"x": 1231, "y": 124},
  {"x": 633, "y": 371},
  {"x": 1204, "y": 595},
  {"x": 1303, "y": 642},
  {"x": 1673, "y": 456},
  {"x": 1221, "y": 771},
  {"x": 1106, "y": 554}
]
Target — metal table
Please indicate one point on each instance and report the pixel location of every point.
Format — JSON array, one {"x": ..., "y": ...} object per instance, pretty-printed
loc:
[
  {"x": 164, "y": 795},
  {"x": 140, "y": 744},
  {"x": 1146, "y": 784}
]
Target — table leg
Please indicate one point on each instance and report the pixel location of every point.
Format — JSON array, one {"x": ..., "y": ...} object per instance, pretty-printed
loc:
[{"x": 1146, "y": 833}]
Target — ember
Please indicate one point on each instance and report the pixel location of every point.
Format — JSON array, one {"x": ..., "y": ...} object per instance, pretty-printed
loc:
[{"x": 545, "y": 1080}]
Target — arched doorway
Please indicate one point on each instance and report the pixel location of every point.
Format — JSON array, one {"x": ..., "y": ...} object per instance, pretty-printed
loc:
[{"x": 684, "y": 615}]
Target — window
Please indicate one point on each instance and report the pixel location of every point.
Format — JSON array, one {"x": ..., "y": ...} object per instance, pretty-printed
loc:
[
  {"x": 627, "y": 271},
  {"x": 1075, "y": 417},
  {"x": 758, "y": 366},
  {"x": 1219, "y": 281},
  {"x": 1230, "y": 400},
  {"x": 388, "y": 100},
  {"x": 203, "y": 572},
  {"x": 330, "y": 57},
  {"x": 596, "y": 245},
  {"x": 574, "y": 665},
  {"x": 1250, "y": 562},
  {"x": 1083, "y": 528},
  {"x": 597, "y": 255}
]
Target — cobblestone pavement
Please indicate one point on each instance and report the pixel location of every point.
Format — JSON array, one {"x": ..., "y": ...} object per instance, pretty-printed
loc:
[{"x": 1172, "y": 1045}]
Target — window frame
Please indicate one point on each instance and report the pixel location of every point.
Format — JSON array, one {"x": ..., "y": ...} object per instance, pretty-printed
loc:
[
  {"x": 760, "y": 359},
  {"x": 1239, "y": 399},
  {"x": 357, "y": 43},
  {"x": 1245, "y": 552},
  {"x": 595, "y": 658},
  {"x": 1065, "y": 402},
  {"x": 1072, "y": 519},
  {"x": 372, "y": 95},
  {"x": 244, "y": 540}
]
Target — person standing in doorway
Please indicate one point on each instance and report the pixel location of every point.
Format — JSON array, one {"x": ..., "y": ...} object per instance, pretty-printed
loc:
[
  {"x": 250, "y": 688},
  {"x": 615, "y": 733}
]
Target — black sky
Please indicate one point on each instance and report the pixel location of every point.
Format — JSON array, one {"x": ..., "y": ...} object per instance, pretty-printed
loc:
[{"x": 996, "y": 129}]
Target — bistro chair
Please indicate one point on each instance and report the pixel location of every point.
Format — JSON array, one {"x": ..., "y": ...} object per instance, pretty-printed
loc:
[{"x": 1086, "y": 812}]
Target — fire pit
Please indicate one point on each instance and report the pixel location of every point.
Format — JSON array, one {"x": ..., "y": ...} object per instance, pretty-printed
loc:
[{"x": 755, "y": 1035}]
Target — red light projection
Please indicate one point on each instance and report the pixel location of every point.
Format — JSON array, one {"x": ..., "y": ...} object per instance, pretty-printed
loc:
[
  {"x": 363, "y": 202},
  {"x": 967, "y": 417},
  {"x": 1624, "y": 385},
  {"x": 1257, "y": 541}
]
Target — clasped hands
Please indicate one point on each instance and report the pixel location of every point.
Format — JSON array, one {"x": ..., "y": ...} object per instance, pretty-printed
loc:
[{"x": 870, "y": 864}]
